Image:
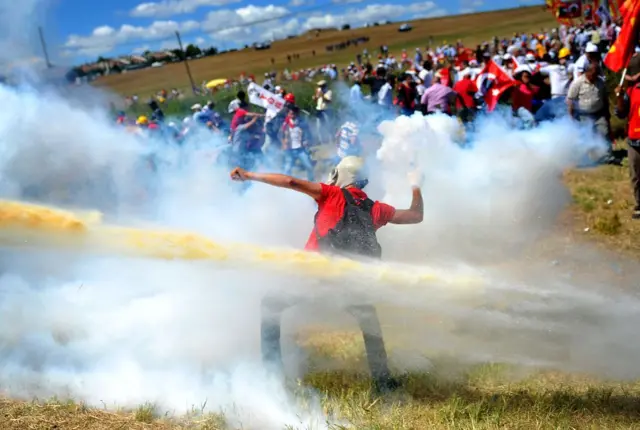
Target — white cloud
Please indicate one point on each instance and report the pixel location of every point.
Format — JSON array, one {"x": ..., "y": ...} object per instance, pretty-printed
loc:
[
  {"x": 105, "y": 39},
  {"x": 249, "y": 24},
  {"x": 141, "y": 49},
  {"x": 242, "y": 26},
  {"x": 167, "y": 8},
  {"x": 375, "y": 13},
  {"x": 470, "y": 6}
]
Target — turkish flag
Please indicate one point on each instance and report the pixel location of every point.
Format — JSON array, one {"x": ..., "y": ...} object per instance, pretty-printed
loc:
[
  {"x": 622, "y": 50},
  {"x": 492, "y": 82}
]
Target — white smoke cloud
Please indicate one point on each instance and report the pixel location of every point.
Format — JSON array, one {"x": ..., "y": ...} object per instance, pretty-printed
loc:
[{"x": 128, "y": 331}]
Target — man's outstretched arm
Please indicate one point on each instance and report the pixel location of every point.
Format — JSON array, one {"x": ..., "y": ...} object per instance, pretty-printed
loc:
[
  {"x": 312, "y": 189},
  {"x": 414, "y": 214}
]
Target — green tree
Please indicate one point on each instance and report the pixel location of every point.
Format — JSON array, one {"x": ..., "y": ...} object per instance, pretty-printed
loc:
[
  {"x": 192, "y": 50},
  {"x": 178, "y": 53}
]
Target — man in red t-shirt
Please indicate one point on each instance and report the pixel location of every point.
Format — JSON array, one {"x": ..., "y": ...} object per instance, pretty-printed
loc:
[
  {"x": 628, "y": 107},
  {"x": 466, "y": 89},
  {"x": 346, "y": 222},
  {"x": 348, "y": 175}
]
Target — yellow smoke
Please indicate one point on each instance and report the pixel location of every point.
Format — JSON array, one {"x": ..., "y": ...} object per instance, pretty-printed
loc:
[{"x": 35, "y": 226}]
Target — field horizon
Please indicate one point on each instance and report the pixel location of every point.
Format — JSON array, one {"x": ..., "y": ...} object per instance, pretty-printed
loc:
[{"x": 471, "y": 29}]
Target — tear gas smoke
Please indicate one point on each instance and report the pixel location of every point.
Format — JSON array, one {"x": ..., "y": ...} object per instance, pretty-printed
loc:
[
  {"x": 180, "y": 334},
  {"x": 482, "y": 203}
]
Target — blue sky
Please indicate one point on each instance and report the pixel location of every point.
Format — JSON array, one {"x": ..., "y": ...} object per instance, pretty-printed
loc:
[{"x": 82, "y": 30}]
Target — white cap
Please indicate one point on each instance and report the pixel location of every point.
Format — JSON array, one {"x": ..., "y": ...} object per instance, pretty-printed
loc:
[
  {"x": 278, "y": 88},
  {"x": 530, "y": 57},
  {"x": 521, "y": 69},
  {"x": 591, "y": 48},
  {"x": 196, "y": 106}
]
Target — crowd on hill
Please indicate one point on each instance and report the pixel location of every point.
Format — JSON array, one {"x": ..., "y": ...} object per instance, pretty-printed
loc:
[{"x": 539, "y": 77}]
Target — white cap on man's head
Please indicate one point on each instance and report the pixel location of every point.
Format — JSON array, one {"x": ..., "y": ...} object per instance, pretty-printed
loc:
[{"x": 591, "y": 48}]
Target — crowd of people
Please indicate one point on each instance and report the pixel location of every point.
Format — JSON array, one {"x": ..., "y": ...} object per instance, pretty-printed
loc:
[{"x": 539, "y": 77}]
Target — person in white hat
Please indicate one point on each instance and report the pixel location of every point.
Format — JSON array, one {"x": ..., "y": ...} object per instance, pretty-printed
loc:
[{"x": 591, "y": 53}]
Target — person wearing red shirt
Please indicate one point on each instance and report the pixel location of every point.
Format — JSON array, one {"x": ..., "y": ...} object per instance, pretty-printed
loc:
[
  {"x": 628, "y": 106},
  {"x": 523, "y": 92},
  {"x": 345, "y": 224},
  {"x": 466, "y": 90}
]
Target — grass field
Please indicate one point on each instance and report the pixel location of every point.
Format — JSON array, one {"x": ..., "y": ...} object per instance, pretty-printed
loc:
[
  {"x": 471, "y": 29},
  {"x": 451, "y": 396}
]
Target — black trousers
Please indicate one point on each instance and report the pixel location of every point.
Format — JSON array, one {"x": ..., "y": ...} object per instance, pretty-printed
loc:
[{"x": 367, "y": 317}]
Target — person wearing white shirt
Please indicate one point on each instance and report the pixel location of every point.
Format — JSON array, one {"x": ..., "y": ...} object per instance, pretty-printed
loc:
[
  {"x": 426, "y": 76},
  {"x": 385, "y": 95},
  {"x": 355, "y": 93},
  {"x": 560, "y": 77}
]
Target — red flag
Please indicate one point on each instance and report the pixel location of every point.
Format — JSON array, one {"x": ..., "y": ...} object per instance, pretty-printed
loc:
[
  {"x": 568, "y": 9},
  {"x": 493, "y": 81},
  {"x": 624, "y": 7},
  {"x": 614, "y": 8},
  {"x": 622, "y": 50}
]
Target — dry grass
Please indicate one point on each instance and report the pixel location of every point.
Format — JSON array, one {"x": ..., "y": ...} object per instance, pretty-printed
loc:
[
  {"x": 471, "y": 29},
  {"x": 602, "y": 206},
  {"x": 448, "y": 396}
]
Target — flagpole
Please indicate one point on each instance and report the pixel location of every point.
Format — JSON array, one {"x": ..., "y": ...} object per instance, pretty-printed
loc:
[{"x": 624, "y": 74}]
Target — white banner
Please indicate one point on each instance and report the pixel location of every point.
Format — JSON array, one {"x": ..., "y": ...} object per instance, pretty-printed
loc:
[{"x": 263, "y": 98}]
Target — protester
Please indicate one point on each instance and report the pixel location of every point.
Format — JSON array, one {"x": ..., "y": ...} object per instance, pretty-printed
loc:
[
  {"x": 295, "y": 143},
  {"x": 348, "y": 140},
  {"x": 407, "y": 95},
  {"x": 560, "y": 77},
  {"x": 345, "y": 224},
  {"x": 465, "y": 90},
  {"x": 523, "y": 92},
  {"x": 588, "y": 99},
  {"x": 628, "y": 107},
  {"x": 438, "y": 97},
  {"x": 323, "y": 98}
]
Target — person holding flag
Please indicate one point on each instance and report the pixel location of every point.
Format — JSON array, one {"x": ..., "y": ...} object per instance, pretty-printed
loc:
[
  {"x": 620, "y": 57},
  {"x": 628, "y": 107}
]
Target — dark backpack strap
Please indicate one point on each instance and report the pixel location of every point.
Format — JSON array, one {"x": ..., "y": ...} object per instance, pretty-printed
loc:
[{"x": 366, "y": 204}]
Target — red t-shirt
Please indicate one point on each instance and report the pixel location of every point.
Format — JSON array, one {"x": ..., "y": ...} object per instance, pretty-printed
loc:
[
  {"x": 331, "y": 207},
  {"x": 466, "y": 89},
  {"x": 236, "y": 118},
  {"x": 522, "y": 96},
  {"x": 633, "y": 120}
]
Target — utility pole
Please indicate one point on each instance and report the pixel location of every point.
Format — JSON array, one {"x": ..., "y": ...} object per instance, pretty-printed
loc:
[
  {"x": 186, "y": 63},
  {"x": 44, "y": 48}
]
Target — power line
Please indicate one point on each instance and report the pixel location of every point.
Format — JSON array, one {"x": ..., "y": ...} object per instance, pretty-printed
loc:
[
  {"x": 328, "y": 5},
  {"x": 186, "y": 63},
  {"x": 44, "y": 48}
]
